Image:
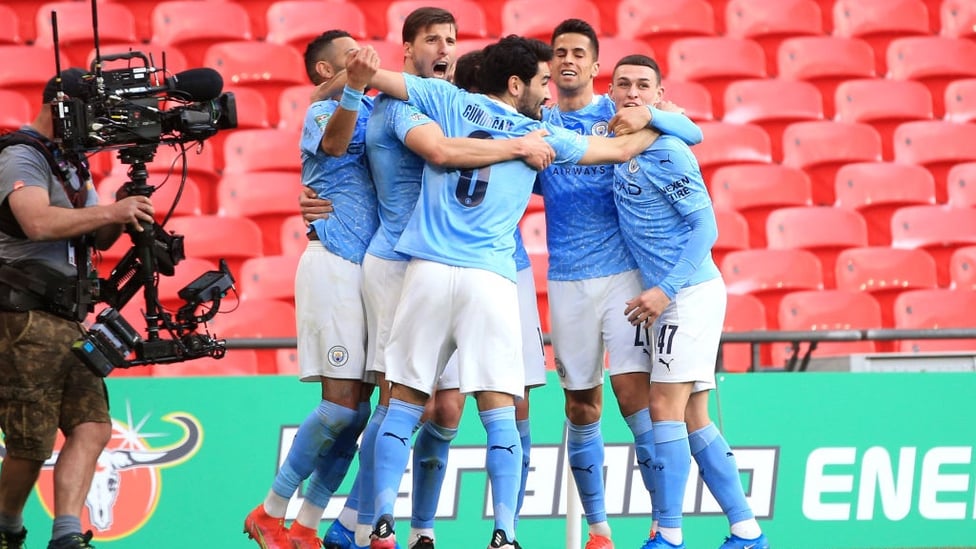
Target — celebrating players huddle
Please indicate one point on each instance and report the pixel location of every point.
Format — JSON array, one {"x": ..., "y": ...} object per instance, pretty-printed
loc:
[{"x": 415, "y": 281}]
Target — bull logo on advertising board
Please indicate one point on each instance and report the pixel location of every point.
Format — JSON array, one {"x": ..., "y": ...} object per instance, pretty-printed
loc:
[{"x": 126, "y": 486}]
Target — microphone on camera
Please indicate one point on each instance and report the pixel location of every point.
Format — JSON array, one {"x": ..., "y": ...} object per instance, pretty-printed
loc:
[{"x": 200, "y": 84}]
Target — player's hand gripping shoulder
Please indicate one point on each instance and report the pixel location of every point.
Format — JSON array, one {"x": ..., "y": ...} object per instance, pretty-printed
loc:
[
  {"x": 645, "y": 308},
  {"x": 312, "y": 207},
  {"x": 534, "y": 150},
  {"x": 361, "y": 66},
  {"x": 630, "y": 120},
  {"x": 669, "y": 106}
]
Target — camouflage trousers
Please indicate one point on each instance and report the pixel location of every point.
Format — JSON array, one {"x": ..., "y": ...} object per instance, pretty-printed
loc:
[{"x": 43, "y": 386}]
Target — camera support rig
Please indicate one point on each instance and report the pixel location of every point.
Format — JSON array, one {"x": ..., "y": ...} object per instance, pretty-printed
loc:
[{"x": 111, "y": 340}]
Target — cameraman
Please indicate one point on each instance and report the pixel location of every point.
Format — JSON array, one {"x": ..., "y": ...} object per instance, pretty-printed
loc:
[{"x": 47, "y": 210}]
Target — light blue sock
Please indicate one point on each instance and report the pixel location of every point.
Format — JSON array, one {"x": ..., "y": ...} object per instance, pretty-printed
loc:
[
  {"x": 365, "y": 476},
  {"x": 331, "y": 467},
  {"x": 640, "y": 424},
  {"x": 585, "y": 446},
  {"x": 65, "y": 525},
  {"x": 720, "y": 472},
  {"x": 525, "y": 436},
  {"x": 430, "y": 452},
  {"x": 393, "y": 444},
  {"x": 504, "y": 464},
  {"x": 672, "y": 465},
  {"x": 316, "y": 435}
]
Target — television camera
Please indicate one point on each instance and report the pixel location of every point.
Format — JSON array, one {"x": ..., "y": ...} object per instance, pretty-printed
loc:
[{"x": 134, "y": 109}]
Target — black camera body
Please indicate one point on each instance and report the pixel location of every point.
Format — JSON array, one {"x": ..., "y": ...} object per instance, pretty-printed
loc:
[{"x": 128, "y": 107}]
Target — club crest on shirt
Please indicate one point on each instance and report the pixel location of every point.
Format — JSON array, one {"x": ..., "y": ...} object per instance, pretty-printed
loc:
[
  {"x": 338, "y": 356},
  {"x": 600, "y": 129},
  {"x": 633, "y": 166},
  {"x": 322, "y": 119}
]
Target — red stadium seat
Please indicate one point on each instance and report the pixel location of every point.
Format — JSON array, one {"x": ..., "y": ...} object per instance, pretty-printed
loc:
[
  {"x": 884, "y": 104},
  {"x": 536, "y": 204},
  {"x": 613, "y": 50},
  {"x": 172, "y": 57},
  {"x": 869, "y": 189},
  {"x": 533, "y": 227},
  {"x": 733, "y": 233},
  {"x": 195, "y": 26},
  {"x": 825, "y": 62},
  {"x": 823, "y": 230},
  {"x": 471, "y": 22},
  {"x": 258, "y": 318},
  {"x": 820, "y": 148},
  {"x": 201, "y": 165},
  {"x": 142, "y": 13},
  {"x": 769, "y": 274},
  {"x": 27, "y": 69},
  {"x": 726, "y": 144},
  {"x": 716, "y": 61},
  {"x": 296, "y": 22},
  {"x": 15, "y": 110},
  {"x": 269, "y": 277},
  {"x": 237, "y": 362},
  {"x": 936, "y": 145},
  {"x": 939, "y": 230},
  {"x": 743, "y": 313},
  {"x": 287, "y": 361},
  {"x": 266, "y": 67},
  {"x": 26, "y": 14},
  {"x": 879, "y": 22},
  {"x": 391, "y": 53},
  {"x": 935, "y": 309},
  {"x": 252, "y": 114},
  {"x": 884, "y": 273},
  {"x": 962, "y": 185},
  {"x": 754, "y": 190},
  {"x": 293, "y": 235},
  {"x": 9, "y": 26},
  {"x": 692, "y": 97},
  {"x": 960, "y": 100},
  {"x": 216, "y": 237},
  {"x": 292, "y": 105},
  {"x": 659, "y": 24},
  {"x": 962, "y": 268},
  {"x": 769, "y": 22},
  {"x": 266, "y": 198},
  {"x": 772, "y": 104},
  {"x": 530, "y": 19},
  {"x": 826, "y": 310},
  {"x": 116, "y": 25},
  {"x": 934, "y": 61},
  {"x": 262, "y": 151},
  {"x": 958, "y": 19},
  {"x": 163, "y": 196}
]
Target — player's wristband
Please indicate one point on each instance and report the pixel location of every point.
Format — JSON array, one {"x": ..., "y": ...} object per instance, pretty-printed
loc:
[{"x": 350, "y": 99}]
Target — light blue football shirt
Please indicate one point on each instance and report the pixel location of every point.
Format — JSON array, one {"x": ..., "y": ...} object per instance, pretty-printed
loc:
[
  {"x": 345, "y": 180},
  {"x": 467, "y": 218},
  {"x": 396, "y": 170},
  {"x": 582, "y": 232},
  {"x": 655, "y": 192}
]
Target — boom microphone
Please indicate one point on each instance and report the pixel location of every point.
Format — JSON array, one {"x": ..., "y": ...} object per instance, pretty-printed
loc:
[{"x": 200, "y": 84}]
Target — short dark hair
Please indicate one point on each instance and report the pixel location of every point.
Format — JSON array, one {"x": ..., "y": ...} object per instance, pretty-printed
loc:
[
  {"x": 577, "y": 26},
  {"x": 315, "y": 51},
  {"x": 421, "y": 18},
  {"x": 72, "y": 83},
  {"x": 467, "y": 70},
  {"x": 511, "y": 56},
  {"x": 639, "y": 60}
]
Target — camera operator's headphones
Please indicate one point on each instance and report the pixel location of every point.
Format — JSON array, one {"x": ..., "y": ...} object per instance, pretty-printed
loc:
[{"x": 60, "y": 164}]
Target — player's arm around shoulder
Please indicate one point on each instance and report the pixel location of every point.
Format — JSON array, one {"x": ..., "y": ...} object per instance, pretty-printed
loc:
[{"x": 616, "y": 150}]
